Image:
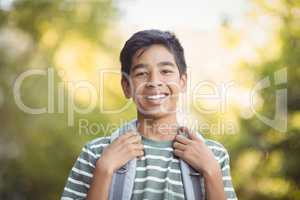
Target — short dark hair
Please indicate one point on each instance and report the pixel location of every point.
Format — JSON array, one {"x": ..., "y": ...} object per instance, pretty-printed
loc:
[{"x": 144, "y": 39}]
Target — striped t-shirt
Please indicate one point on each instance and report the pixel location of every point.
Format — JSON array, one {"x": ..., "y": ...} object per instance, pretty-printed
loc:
[
  {"x": 157, "y": 170},
  {"x": 158, "y": 174}
]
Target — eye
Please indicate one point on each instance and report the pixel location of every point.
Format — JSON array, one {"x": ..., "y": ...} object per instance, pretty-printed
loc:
[
  {"x": 141, "y": 74},
  {"x": 166, "y": 71}
]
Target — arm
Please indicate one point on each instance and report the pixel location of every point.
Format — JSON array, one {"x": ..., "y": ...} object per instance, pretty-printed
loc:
[
  {"x": 100, "y": 185},
  {"x": 213, "y": 183}
]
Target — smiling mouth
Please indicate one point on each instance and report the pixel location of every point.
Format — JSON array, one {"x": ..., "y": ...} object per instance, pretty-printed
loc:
[{"x": 156, "y": 97}]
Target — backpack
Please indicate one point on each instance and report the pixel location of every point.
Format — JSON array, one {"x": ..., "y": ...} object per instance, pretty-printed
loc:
[{"x": 123, "y": 179}]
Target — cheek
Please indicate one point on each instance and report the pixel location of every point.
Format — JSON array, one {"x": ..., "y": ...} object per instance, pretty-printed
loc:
[
  {"x": 137, "y": 88},
  {"x": 173, "y": 82},
  {"x": 174, "y": 87},
  {"x": 136, "y": 83}
]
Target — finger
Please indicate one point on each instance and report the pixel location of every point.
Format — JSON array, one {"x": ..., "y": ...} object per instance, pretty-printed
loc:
[
  {"x": 182, "y": 139},
  {"x": 125, "y": 136},
  {"x": 180, "y": 131},
  {"x": 133, "y": 150},
  {"x": 192, "y": 135},
  {"x": 126, "y": 139},
  {"x": 178, "y": 153},
  {"x": 139, "y": 147},
  {"x": 134, "y": 139},
  {"x": 179, "y": 146},
  {"x": 140, "y": 154}
]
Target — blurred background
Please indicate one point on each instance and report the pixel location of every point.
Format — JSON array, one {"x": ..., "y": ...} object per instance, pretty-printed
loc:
[{"x": 231, "y": 42}]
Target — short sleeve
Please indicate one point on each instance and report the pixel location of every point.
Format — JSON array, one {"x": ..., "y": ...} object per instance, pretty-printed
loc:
[
  {"x": 226, "y": 176},
  {"x": 81, "y": 174},
  {"x": 222, "y": 156}
]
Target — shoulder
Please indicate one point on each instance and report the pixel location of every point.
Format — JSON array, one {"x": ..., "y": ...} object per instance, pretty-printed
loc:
[
  {"x": 215, "y": 146},
  {"x": 100, "y": 141},
  {"x": 220, "y": 152},
  {"x": 95, "y": 147}
]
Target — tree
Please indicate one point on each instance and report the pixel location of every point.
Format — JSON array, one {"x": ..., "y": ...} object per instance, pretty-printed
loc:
[{"x": 37, "y": 151}]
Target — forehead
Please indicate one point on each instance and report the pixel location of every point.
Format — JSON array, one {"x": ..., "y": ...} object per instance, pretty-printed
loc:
[{"x": 153, "y": 54}]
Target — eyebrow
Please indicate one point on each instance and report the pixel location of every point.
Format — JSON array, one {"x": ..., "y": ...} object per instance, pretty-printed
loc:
[
  {"x": 160, "y": 64},
  {"x": 163, "y": 63},
  {"x": 137, "y": 66}
]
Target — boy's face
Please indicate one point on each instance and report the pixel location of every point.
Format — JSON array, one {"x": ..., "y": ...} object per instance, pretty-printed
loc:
[{"x": 154, "y": 81}]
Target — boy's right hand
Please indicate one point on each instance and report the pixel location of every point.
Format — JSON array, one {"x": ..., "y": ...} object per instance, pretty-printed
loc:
[{"x": 127, "y": 147}]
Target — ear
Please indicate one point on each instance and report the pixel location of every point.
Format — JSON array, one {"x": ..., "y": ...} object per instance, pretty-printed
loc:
[
  {"x": 183, "y": 82},
  {"x": 126, "y": 87}
]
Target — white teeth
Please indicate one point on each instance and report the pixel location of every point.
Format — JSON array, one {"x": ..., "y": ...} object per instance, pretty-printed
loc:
[{"x": 155, "y": 96}]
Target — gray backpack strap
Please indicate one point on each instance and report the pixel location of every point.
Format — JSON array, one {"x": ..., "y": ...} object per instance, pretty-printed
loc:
[
  {"x": 123, "y": 179},
  {"x": 192, "y": 180},
  {"x": 118, "y": 180}
]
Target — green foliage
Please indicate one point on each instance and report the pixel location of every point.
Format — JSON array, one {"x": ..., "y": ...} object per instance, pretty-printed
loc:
[
  {"x": 37, "y": 151},
  {"x": 277, "y": 174}
]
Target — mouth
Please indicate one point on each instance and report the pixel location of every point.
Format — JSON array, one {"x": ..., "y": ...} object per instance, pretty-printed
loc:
[{"x": 156, "y": 98}]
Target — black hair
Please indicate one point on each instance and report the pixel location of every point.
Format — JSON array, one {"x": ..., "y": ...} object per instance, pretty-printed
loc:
[{"x": 144, "y": 39}]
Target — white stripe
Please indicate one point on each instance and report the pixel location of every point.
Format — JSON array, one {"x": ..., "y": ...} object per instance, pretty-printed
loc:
[
  {"x": 98, "y": 145},
  {"x": 226, "y": 178},
  {"x": 159, "y": 158},
  {"x": 227, "y": 189},
  {"x": 78, "y": 182},
  {"x": 75, "y": 192},
  {"x": 66, "y": 198},
  {"x": 151, "y": 178},
  {"x": 96, "y": 156},
  {"x": 78, "y": 171},
  {"x": 158, "y": 169},
  {"x": 222, "y": 159},
  {"x": 159, "y": 148},
  {"x": 217, "y": 148},
  {"x": 100, "y": 139},
  {"x": 226, "y": 167},
  {"x": 158, "y": 191},
  {"x": 86, "y": 162}
]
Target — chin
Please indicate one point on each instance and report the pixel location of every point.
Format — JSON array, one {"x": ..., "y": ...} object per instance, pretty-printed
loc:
[
  {"x": 156, "y": 109},
  {"x": 155, "y": 112}
]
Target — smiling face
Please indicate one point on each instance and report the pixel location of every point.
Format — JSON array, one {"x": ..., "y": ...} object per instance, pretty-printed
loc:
[{"x": 154, "y": 81}]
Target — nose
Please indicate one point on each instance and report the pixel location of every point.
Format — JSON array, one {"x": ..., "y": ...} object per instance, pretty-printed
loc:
[
  {"x": 153, "y": 81},
  {"x": 153, "y": 84}
]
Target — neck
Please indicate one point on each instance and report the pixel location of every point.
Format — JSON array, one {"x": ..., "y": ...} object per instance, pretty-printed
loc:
[{"x": 158, "y": 128}]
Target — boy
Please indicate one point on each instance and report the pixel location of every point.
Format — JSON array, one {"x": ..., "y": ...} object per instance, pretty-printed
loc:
[{"x": 143, "y": 160}]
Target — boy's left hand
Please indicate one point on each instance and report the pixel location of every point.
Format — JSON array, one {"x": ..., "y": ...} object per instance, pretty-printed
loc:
[{"x": 195, "y": 152}]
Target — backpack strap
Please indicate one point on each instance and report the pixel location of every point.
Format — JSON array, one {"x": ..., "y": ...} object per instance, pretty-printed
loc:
[
  {"x": 192, "y": 180},
  {"x": 123, "y": 178}
]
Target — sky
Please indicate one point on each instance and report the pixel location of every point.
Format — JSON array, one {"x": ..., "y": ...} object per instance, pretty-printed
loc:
[{"x": 171, "y": 14}]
